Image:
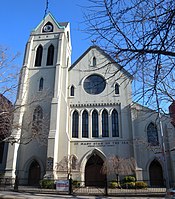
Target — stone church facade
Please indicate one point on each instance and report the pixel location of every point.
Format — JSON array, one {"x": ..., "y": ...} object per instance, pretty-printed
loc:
[{"x": 72, "y": 117}]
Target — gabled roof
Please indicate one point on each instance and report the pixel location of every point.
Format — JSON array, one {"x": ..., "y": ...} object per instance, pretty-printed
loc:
[
  {"x": 4, "y": 102},
  {"x": 104, "y": 54},
  {"x": 61, "y": 25}
]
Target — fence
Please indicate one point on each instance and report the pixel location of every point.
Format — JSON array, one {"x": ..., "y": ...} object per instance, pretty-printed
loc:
[
  {"x": 107, "y": 189},
  {"x": 81, "y": 188}
]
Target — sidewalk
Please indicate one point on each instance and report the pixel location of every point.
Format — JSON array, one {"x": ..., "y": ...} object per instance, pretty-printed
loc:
[
  {"x": 25, "y": 195},
  {"x": 80, "y": 193}
]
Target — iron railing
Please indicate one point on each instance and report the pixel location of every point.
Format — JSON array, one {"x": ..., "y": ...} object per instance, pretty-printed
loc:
[{"x": 83, "y": 188}]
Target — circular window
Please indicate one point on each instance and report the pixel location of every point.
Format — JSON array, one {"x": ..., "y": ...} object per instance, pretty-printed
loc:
[{"x": 94, "y": 84}]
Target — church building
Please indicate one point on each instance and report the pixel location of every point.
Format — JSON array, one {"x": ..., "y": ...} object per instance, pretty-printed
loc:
[{"x": 70, "y": 118}]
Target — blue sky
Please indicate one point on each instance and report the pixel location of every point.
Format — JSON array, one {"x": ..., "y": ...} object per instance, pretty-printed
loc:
[{"x": 20, "y": 17}]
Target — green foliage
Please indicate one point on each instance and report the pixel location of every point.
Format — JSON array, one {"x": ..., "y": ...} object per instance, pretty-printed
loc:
[
  {"x": 141, "y": 185},
  {"x": 76, "y": 183},
  {"x": 114, "y": 184},
  {"x": 47, "y": 184},
  {"x": 129, "y": 179},
  {"x": 129, "y": 182},
  {"x": 128, "y": 185}
]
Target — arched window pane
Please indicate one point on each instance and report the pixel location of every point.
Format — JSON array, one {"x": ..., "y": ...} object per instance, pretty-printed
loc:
[
  {"x": 50, "y": 55},
  {"x": 95, "y": 124},
  {"x": 115, "y": 128},
  {"x": 38, "y": 58},
  {"x": 72, "y": 89},
  {"x": 116, "y": 88},
  {"x": 41, "y": 82},
  {"x": 75, "y": 124},
  {"x": 152, "y": 134},
  {"x": 38, "y": 114},
  {"x": 68, "y": 36},
  {"x": 74, "y": 162},
  {"x": 105, "y": 127},
  {"x": 37, "y": 120},
  {"x": 85, "y": 124},
  {"x": 94, "y": 62}
]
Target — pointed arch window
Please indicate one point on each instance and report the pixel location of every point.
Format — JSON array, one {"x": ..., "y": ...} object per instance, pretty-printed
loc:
[
  {"x": 38, "y": 114},
  {"x": 94, "y": 62},
  {"x": 75, "y": 124},
  {"x": 50, "y": 55},
  {"x": 68, "y": 36},
  {"x": 105, "y": 126},
  {"x": 152, "y": 134},
  {"x": 85, "y": 124},
  {"x": 116, "y": 88},
  {"x": 39, "y": 53},
  {"x": 74, "y": 162},
  {"x": 41, "y": 84},
  {"x": 115, "y": 124},
  {"x": 95, "y": 130},
  {"x": 72, "y": 91},
  {"x": 37, "y": 120}
]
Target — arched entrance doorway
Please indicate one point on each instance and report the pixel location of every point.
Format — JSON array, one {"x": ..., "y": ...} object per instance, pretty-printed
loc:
[
  {"x": 93, "y": 172},
  {"x": 156, "y": 174},
  {"x": 34, "y": 173}
]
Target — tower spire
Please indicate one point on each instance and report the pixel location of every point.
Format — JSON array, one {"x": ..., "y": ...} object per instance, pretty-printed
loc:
[{"x": 46, "y": 8}]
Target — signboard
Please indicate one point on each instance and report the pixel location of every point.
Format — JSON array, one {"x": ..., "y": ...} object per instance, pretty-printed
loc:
[
  {"x": 62, "y": 185},
  {"x": 100, "y": 144}
]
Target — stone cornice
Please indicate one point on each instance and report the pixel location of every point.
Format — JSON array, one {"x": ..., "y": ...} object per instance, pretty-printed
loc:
[{"x": 95, "y": 104}]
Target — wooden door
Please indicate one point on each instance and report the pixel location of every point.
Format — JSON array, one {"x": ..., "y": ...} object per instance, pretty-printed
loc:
[
  {"x": 34, "y": 173},
  {"x": 93, "y": 172}
]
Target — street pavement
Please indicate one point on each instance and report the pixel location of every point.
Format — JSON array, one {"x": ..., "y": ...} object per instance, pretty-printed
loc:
[{"x": 18, "y": 195}]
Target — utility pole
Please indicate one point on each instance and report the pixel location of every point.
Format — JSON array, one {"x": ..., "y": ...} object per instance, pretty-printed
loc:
[{"x": 163, "y": 152}]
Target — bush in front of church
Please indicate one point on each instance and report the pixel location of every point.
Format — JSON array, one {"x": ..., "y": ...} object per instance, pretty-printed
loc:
[
  {"x": 47, "y": 184},
  {"x": 76, "y": 183},
  {"x": 128, "y": 185},
  {"x": 129, "y": 182},
  {"x": 141, "y": 185},
  {"x": 129, "y": 179},
  {"x": 114, "y": 184}
]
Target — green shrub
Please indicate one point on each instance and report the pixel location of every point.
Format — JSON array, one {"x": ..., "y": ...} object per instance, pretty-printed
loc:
[
  {"x": 141, "y": 185},
  {"x": 76, "y": 183},
  {"x": 129, "y": 179},
  {"x": 128, "y": 185},
  {"x": 114, "y": 184},
  {"x": 47, "y": 184}
]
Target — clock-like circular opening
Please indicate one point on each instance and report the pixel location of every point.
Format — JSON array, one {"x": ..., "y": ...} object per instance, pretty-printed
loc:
[{"x": 94, "y": 84}]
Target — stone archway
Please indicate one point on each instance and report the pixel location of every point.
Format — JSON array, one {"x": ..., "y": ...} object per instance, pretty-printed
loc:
[
  {"x": 93, "y": 172},
  {"x": 156, "y": 174},
  {"x": 34, "y": 173}
]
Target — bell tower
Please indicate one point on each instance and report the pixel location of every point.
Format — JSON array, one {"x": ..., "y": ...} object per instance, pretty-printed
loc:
[{"x": 41, "y": 100}]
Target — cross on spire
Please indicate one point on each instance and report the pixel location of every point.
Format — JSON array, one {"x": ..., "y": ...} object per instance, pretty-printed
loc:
[{"x": 93, "y": 42}]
